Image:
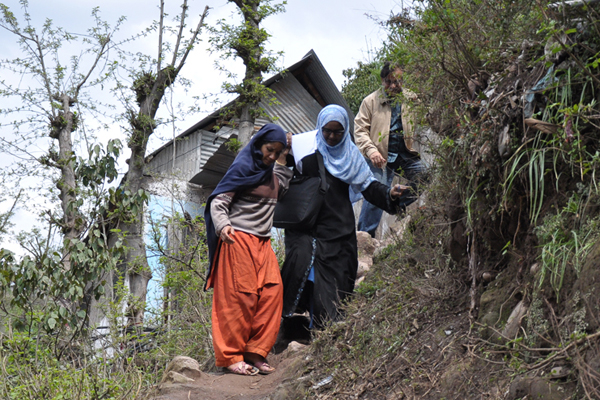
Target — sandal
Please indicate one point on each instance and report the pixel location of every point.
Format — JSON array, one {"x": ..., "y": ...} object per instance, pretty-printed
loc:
[
  {"x": 242, "y": 368},
  {"x": 264, "y": 368}
]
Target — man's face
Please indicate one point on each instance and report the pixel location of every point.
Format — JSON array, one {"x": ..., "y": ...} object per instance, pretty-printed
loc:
[{"x": 393, "y": 82}]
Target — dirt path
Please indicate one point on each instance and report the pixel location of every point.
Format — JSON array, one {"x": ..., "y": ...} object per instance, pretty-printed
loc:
[{"x": 222, "y": 386}]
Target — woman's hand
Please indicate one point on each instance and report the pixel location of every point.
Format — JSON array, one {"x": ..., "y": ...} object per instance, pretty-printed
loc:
[
  {"x": 397, "y": 191},
  {"x": 283, "y": 156},
  {"x": 227, "y": 234}
]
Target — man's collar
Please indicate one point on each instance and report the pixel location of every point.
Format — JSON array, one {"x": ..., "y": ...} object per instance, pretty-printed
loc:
[{"x": 383, "y": 97}]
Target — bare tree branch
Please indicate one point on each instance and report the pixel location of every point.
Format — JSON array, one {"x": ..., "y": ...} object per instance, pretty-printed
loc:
[
  {"x": 44, "y": 73},
  {"x": 93, "y": 67},
  {"x": 160, "y": 36},
  {"x": 4, "y": 220},
  {"x": 184, "y": 8},
  {"x": 193, "y": 40}
]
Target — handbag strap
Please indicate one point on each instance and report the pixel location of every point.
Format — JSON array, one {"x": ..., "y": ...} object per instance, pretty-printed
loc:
[{"x": 323, "y": 187}]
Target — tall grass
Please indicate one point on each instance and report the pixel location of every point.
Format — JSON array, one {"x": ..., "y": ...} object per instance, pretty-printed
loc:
[{"x": 562, "y": 247}]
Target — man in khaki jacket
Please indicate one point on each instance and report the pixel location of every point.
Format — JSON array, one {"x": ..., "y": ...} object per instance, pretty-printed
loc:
[{"x": 384, "y": 132}]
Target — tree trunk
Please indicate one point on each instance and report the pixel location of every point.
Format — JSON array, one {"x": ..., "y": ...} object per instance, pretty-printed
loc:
[
  {"x": 71, "y": 222},
  {"x": 251, "y": 56},
  {"x": 149, "y": 90},
  {"x": 135, "y": 264},
  {"x": 246, "y": 127}
]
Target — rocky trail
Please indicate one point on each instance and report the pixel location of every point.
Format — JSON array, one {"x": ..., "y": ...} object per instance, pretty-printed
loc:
[{"x": 183, "y": 380}]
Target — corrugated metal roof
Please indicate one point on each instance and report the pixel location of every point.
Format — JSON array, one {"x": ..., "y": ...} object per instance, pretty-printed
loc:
[
  {"x": 212, "y": 142},
  {"x": 314, "y": 78},
  {"x": 322, "y": 82},
  {"x": 297, "y": 110}
]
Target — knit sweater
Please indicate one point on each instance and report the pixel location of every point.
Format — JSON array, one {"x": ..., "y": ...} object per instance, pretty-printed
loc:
[{"x": 251, "y": 211}]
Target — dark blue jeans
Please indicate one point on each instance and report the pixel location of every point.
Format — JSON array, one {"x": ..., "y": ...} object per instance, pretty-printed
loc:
[{"x": 408, "y": 166}]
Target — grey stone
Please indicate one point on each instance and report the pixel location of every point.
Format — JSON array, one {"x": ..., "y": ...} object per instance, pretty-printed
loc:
[
  {"x": 536, "y": 389},
  {"x": 489, "y": 320},
  {"x": 365, "y": 244},
  {"x": 181, "y": 370},
  {"x": 173, "y": 377},
  {"x": 295, "y": 346},
  {"x": 513, "y": 324},
  {"x": 553, "y": 50},
  {"x": 364, "y": 265},
  {"x": 558, "y": 372},
  {"x": 504, "y": 142}
]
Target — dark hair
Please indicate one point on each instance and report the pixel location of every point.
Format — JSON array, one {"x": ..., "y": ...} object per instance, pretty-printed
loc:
[
  {"x": 260, "y": 143},
  {"x": 388, "y": 67}
]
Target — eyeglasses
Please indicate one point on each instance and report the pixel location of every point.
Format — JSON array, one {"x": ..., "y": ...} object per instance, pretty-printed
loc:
[{"x": 328, "y": 132}]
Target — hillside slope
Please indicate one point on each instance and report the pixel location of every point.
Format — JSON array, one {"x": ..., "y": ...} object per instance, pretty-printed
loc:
[{"x": 493, "y": 292}]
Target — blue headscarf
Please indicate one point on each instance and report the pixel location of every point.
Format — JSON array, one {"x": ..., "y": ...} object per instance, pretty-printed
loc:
[
  {"x": 344, "y": 160},
  {"x": 246, "y": 171}
]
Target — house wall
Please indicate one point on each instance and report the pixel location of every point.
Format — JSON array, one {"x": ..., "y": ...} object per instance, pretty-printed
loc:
[{"x": 191, "y": 152}]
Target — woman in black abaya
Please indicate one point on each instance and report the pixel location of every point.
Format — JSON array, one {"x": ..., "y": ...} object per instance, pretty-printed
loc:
[{"x": 321, "y": 264}]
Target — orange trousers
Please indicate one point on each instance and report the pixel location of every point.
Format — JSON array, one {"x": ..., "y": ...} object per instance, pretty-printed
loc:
[{"x": 247, "y": 298}]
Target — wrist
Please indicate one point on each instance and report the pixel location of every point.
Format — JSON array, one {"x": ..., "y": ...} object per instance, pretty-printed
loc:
[{"x": 280, "y": 163}]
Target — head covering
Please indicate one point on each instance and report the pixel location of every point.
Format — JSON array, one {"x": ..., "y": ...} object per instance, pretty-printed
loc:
[
  {"x": 344, "y": 160},
  {"x": 246, "y": 171}
]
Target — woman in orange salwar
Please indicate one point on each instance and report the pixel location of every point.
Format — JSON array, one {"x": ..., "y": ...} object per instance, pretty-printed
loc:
[{"x": 243, "y": 272}]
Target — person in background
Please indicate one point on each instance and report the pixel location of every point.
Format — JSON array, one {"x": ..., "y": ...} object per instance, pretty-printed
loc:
[
  {"x": 384, "y": 132},
  {"x": 320, "y": 265},
  {"x": 243, "y": 269}
]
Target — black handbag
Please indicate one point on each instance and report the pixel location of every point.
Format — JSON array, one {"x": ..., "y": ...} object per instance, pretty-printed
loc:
[{"x": 300, "y": 206}]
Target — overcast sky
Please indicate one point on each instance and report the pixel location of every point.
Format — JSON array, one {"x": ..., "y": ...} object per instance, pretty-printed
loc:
[{"x": 339, "y": 31}]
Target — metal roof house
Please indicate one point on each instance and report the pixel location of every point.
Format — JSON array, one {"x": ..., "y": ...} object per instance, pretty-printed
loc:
[{"x": 199, "y": 155}]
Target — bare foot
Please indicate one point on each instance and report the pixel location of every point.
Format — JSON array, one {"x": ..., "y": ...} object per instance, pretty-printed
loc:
[
  {"x": 259, "y": 362},
  {"x": 264, "y": 368},
  {"x": 242, "y": 368}
]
